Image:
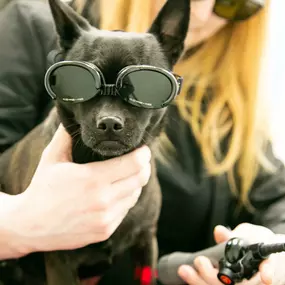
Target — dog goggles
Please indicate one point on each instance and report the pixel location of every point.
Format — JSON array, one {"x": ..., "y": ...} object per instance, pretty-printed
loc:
[
  {"x": 237, "y": 10},
  {"x": 140, "y": 85}
]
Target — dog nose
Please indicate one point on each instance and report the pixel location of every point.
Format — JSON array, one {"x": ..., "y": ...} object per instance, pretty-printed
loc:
[{"x": 114, "y": 124}]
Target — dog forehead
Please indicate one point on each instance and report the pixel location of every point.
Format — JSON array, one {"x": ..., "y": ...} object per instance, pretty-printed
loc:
[
  {"x": 128, "y": 41},
  {"x": 103, "y": 47}
]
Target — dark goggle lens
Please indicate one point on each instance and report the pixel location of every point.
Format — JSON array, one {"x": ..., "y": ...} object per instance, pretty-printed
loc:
[
  {"x": 74, "y": 83},
  {"x": 146, "y": 88},
  {"x": 237, "y": 10}
]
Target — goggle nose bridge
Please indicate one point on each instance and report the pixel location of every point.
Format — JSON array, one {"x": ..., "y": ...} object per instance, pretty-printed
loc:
[{"x": 109, "y": 90}]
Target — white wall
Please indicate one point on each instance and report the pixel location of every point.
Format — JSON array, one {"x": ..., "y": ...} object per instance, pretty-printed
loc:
[{"x": 277, "y": 75}]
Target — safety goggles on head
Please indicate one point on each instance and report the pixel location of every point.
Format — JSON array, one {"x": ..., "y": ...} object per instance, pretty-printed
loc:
[
  {"x": 237, "y": 10},
  {"x": 140, "y": 85}
]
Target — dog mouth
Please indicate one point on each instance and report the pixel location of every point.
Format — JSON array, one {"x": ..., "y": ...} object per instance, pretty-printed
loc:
[
  {"x": 110, "y": 145},
  {"x": 111, "y": 148}
]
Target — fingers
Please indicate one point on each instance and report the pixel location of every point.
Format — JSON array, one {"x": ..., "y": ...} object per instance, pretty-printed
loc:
[
  {"x": 116, "y": 212},
  {"x": 222, "y": 234},
  {"x": 253, "y": 233},
  {"x": 190, "y": 276},
  {"x": 112, "y": 170},
  {"x": 108, "y": 198},
  {"x": 122, "y": 167},
  {"x": 129, "y": 188},
  {"x": 266, "y": 272},
  {"x": 105, "y": 222},
  {"x": 204, "y": 273},
  {"x": 206, "y": 270},
  {"x": 102, "y": 229},
  {"x": 131, "y": 200},
  {"x": 207, "y": 274},
  {"x": 59, "y": 148},
  {"x": 124, "y": 188}
]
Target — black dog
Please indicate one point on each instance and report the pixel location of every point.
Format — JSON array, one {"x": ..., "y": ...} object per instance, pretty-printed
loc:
[{"x": 108, "y": 126}]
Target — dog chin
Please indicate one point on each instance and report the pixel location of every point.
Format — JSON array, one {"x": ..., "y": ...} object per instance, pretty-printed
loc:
[{"x": 111, "y": 149}]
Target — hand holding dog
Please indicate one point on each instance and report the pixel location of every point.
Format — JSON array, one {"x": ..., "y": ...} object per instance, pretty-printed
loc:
[
  {"x": 270, "y": 270},
  {"x": 69, "y": 205}
]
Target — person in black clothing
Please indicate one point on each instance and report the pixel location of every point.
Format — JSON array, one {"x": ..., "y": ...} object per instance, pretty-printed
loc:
[{"x": 222, "y": 170}]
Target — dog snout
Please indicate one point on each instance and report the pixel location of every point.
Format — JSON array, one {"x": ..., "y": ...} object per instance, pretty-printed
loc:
[{"x": 110, "y": 124}]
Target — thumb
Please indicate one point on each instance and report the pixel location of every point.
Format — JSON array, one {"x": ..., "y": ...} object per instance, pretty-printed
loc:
[
  {"x": 60, "y": 147},
  {"x": 222, "y": 234}
]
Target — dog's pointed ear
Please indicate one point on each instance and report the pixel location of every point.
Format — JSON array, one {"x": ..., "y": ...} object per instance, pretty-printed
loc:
[
  {"x": 68, "y": 23},
  {"x": 171, "y": 26}
]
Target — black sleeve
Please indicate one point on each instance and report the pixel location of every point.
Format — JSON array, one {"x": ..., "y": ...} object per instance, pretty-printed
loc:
[
  {"x": 26, "y": 36},
  {"x": 268, "y": 196}
]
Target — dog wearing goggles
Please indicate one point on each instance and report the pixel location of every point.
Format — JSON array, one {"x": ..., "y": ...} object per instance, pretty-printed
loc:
[{"x": 112, "y": 88}]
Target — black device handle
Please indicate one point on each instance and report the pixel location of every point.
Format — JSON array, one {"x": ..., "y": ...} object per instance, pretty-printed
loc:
[
  {"x": 236, "y": 260},
  {"x": 267, "y": 249},
  {"x": 241, "y": 261}
]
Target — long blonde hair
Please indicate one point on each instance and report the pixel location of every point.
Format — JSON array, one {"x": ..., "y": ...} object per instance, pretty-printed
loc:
[{"x": 229, "y": 64}]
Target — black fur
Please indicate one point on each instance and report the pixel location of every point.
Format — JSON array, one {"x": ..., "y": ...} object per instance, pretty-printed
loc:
[{"x": 111, "y": 51}]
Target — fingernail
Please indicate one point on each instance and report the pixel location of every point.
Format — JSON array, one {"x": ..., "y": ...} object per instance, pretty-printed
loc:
[{"x": 185, "y": 271}]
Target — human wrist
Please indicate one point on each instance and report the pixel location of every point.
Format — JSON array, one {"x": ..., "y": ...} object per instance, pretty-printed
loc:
[{"x": 13, "y": 240}]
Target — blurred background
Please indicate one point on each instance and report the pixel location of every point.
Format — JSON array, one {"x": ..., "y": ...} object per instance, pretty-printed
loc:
[{"x": 276, "y": 74}]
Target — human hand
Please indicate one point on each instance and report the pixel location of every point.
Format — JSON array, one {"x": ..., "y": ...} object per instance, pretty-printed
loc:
[
  {"x": 204, "y": 23},
  {"x": 70, "y": 205},
  {"x": 270, "y": 271}
]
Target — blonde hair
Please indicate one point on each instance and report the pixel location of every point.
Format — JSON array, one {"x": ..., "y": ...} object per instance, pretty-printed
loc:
[{"x": 228, "y": 64}]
